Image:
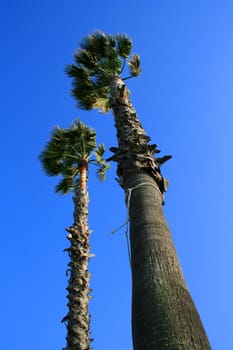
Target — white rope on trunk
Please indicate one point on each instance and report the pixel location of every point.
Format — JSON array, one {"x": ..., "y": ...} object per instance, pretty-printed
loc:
[{"x": 128, "y": 198}]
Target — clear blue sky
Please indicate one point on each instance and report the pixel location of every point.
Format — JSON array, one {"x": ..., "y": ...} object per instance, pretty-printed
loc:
[{"x": 184, "y": 98}]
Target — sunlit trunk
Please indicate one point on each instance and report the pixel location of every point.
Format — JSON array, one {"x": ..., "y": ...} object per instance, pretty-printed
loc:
[
  {"x": 78, "y": 318},
  {"x": 164, "y": 316}
]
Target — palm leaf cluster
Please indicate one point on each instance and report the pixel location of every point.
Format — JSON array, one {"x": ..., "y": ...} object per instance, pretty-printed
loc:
[
  {"x": 68, "y": 150},
  {"x": 100, "y": 58}
]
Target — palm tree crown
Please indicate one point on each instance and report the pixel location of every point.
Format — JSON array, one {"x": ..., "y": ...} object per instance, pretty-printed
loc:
[
  {"x": 100, "y": 58},
  {"x": 70, "y": 149}
]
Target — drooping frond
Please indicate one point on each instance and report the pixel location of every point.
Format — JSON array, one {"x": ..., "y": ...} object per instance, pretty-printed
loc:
[
  {"x": 101, "y": 171},
  {"x": 83, "y": 88},
  {"x": 100, "y": 58},
  {"x": 52, "y": 155},
  {"x": 102, "y": 165},
  {"x": 102, "y": 104},
  {"x": 65, "y": 185}
]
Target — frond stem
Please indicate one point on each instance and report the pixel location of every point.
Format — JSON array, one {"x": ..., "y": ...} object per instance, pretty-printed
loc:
[
  {"x": 131, "y": 76},
  {"x": 123, "y": 66}
]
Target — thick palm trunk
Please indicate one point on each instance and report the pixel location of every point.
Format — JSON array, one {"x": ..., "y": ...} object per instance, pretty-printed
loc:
[
  {"x": 163, "y": 314},
  {"x": 78, "y": 319}
]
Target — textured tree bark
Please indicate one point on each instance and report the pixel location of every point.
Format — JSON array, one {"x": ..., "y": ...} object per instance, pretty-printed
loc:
[
  {"x": 78, "y": 319},
  {"x": 164, "y": 316}
]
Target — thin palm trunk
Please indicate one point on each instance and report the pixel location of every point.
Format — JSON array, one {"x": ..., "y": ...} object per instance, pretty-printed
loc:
[
  {"x": 164, "y": 316},
  {"x": 78, "y": 318},
  {"x": 68, "y": 154}
]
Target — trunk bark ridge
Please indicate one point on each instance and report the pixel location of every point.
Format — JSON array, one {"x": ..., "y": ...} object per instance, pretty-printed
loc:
[
  {"x": 164, "y": 316},
  {"x": 78, "y": 319},
  {"x": 134, "y": 150}
]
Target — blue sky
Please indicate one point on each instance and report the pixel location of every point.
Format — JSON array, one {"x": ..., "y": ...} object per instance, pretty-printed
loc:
[{"x": 184, "y": 99}]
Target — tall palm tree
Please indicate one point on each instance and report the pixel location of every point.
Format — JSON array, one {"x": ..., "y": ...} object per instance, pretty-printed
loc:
[
  {"x": 68, "y": 154},
  {"x": 163, "y": 313}
]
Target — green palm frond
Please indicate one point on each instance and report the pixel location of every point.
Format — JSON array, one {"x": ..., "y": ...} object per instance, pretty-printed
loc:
[
  {"x": 51, "y": 166},
  {"x": 102, "y": 165},
  {"x": 86, "y": 59},
  {"x": 52, "y": 155},
  {"x": 67, "y": 150},
  {"x": 99, "y": 152},
  {"x": 124, "y": 45},
  {"x": 101, "y": 171},
  {"x": 134, "y": 66},
  {"x": 80, "y": 133},
  {"x": 70, "y": 170},
  {"x": 78, "y": 72},
  {"x": 84, "y": 91},
  {"x": 100, "y": 58},
  {"x": 96, "y": 43},
  {"x": 65, "y": 185},
  {"x": 107, "y": 69},
  {"x": 103, "y": 104}
]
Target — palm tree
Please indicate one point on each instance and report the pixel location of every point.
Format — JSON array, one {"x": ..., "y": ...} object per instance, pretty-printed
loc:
[
  {"x": 68, "y": 153},
  {"x": 163, "y": 313}
]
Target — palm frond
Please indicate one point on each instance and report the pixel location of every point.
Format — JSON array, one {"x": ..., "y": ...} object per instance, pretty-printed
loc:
[
  {"x": 108, "y": 68},
  {"x": 99, "y": 152},
  {"x": 67, "y": 150},
  {"x": 77, "y": 71},
  {"x": 70, "y": 171},
  {"x": 50, "y": 166},
  {"x": 102, "y": 104},
  {"x": 101, "y": 163},
  {"x": 65, "y": 185},
  {"x": 101, "y": 171},
  {"x": 134, "y": 66},
  {"x": 100, "y": 58},
  {"x": 85, "y": 95},
  {"x": 82, "y": 137},
  {"x": 96, "y": 43},
  {"x": 83, "y": 87},
  {"x": 124, "y": 45},
  {"x": 86, "y": 59},
  {"x": 52, "y": 155}
]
